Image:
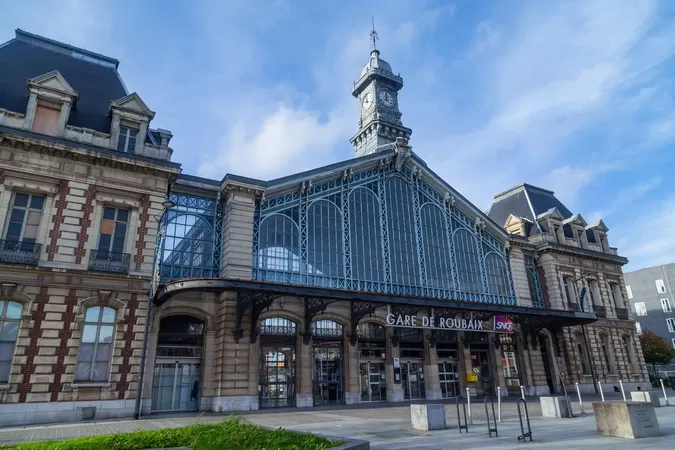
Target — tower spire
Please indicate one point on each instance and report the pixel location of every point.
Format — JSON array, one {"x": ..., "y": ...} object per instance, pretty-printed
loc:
[{"x": 373, "y": 35}]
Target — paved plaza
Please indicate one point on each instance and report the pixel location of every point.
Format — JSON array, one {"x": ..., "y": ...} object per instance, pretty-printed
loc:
[{"x": 388, "y": 427}]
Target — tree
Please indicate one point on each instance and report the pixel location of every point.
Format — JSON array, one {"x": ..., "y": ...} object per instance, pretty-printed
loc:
[{"x": 656, "y": 349}]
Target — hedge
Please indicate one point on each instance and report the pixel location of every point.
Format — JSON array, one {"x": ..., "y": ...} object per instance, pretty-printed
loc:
[{"x": 230, "y": 434}]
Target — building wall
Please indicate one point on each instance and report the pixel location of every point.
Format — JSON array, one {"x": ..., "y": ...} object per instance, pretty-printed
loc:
[{"x": 56, "y": 292}]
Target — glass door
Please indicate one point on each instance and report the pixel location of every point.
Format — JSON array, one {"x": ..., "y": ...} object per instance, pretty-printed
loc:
[
  {"x": 447, "y": 373},
  {"x": 327, "y": 379},
  {"x": 480, "y": 365},
  {"x": 373, "y": 382},
  {"x": 175, "y": 386},
  {"x": 277, "y": 376},
  {"x": 412, "y": 380}
]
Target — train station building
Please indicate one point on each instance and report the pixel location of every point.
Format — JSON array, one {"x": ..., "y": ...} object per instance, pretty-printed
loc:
[{"x": 368, "y": 280}]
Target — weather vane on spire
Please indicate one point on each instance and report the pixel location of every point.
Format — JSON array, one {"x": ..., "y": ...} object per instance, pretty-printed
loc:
[{"x": 373, "y": 35}]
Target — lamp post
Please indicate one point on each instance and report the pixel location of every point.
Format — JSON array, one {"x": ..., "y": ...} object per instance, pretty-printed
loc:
[{"x": 154, "y": 282}]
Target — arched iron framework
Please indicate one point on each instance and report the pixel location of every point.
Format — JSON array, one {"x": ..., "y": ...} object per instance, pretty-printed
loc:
[
  {"x": 533, "y": 282},
  {"x": 379, "y": 230},
  {"x": 192, "y": 245},
  {"x": 277, "y": 326},
  {"x": 327, "y": 329}
]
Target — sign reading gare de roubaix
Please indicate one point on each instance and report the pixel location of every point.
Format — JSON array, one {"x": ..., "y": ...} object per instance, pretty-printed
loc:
[{"x": 494, "y": 324}]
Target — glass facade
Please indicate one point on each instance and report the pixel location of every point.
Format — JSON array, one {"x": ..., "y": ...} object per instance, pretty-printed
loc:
[
  {"x": 192, "y": 242},
  {"x": 379, "y": 230}
]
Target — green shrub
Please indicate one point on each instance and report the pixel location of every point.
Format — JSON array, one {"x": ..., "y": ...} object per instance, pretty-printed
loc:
[{"x": 230, "y": 434}]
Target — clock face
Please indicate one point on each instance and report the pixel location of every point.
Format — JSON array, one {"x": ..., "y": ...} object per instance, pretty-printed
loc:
[
  {"x": 386, "y": 98},
  {"x": 367, "y": 100}
]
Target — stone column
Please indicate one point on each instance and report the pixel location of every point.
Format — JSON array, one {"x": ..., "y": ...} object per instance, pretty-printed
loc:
[
  {"x": 114, "y": 131},
  {"x": 394, "y": 389},
  {"x": 30, "y": 111},
  {"x": 63, "y": 118},
  {"x": 432, "y": 384},
  {"x": 498, "y": 377},
  {"x": 140, "y": 139},
  {"x": 465, "y": 365},
  {"x": 352, "y": 375},
  {"x": 303, "y": 373},
  {"x": 151, "y": 353},
  {"x": 208, "y": 372}
]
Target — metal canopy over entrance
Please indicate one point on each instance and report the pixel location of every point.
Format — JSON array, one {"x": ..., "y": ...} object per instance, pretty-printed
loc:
[{"x": 256, "y": 296}]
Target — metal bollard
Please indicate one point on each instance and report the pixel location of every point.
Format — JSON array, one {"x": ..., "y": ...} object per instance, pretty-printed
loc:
[
  {"x": 664, "y": 392},
  {"x": 622, "y": 391},
  {"x": 602, "y": 394},
  {"x": 459, "y": 418},
  {"x": 581, "y": 403},
  {"x": 522, "y": 392},
  {"x": 499, "y": 403},
  {"x": 487, "y": 414},
  {"x": 468, "y": 404},
  {"x": 525, "y": 435}
]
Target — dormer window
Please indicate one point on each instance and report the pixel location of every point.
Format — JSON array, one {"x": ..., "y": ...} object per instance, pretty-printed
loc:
[
  {"x": 126, "y": 141},
  {"x": 46, "y": 120},
  {"x": 590, "y": 235}
]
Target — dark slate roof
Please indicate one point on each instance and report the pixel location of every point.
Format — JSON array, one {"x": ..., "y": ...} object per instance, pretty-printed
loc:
[
  {"x": 525, "y": 201},
  {"x": 93, "y": 76}
]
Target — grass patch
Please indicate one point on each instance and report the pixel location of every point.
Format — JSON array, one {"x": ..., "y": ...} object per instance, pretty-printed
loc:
[{"x": 229, "y": 434}]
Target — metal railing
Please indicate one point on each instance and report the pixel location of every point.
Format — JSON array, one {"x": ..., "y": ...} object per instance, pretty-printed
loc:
[
  {"x": 19, "y": 252},
  {"x": 523, "y": 437},
  {"x": 106, "y": 261},
  {"x": 494, "y": 419},
  {"x": 459, "y": 417},
  {"x": 622, "y": 313},
  {"x": 600, "y": 311}
]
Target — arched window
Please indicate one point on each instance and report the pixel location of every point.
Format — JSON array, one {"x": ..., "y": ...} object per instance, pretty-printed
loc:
[
  {"x": 628, "y": 349},
  {"x": 581, "y": 353},
  {"x": 402, "y": 238},
  {"x": 96, "y": 344},
  {"x": 188, "y": 247},
  {"x": 370, "y": 331},
  {"x": 366, "y": 236},
  {"x": 324, "y": 240},
  {"x": 326, "y": 328},
  {"x": 606, "y": 358},
  {"x": 277, "y": 326},
  {"x": 436, "y": 249},
  {"x": 497, "y": 275},
  {"x": 468, "y": 261},
  {"x": 10, "y": 322},
  {"x": 279, "y": 244}
]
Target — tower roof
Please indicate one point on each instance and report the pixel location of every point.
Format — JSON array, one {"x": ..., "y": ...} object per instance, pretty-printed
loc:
[{"x": 376, "y": 62}]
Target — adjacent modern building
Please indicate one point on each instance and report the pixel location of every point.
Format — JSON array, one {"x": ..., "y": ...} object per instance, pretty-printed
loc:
[
  {"x": 369, "y": 280},
  {"x": 650, "y": 292}
]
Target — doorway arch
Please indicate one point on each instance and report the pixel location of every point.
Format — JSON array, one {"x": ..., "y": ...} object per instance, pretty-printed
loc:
[{"x": 177, "y": 372}]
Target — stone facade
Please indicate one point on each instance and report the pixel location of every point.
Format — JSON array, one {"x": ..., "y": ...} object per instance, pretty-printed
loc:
[{"x": 76, "y": 273}]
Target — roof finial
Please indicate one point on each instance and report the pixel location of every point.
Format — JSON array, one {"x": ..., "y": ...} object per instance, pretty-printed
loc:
[{"x": 373, "y": 35}]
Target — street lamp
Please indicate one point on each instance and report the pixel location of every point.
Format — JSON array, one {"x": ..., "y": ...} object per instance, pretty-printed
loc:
[{"x": 167, "y": 204}]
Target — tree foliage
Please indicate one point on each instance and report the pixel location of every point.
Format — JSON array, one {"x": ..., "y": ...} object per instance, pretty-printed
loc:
[{"x": 656, "y": 349}]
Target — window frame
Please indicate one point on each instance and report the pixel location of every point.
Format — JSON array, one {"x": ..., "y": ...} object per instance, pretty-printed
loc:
[
  {"x": 110, "y": 249},
  {"x": 666, "y": 306},
  {"x": 670, "y": 323},
  {"x": 27, "y": 209},
  {"x": 4, "y": 307},
  {"x": 92, "y": 361},
  {"x": 660, "y": 286},
  {"x": 643, "y": 308},
  {"x": 570, "y": 289},
  {"x": 581, "y": 355},
  {"x": 125, "y": 132},
  {"x": 629, "y": 292},
  {"x": 604, "y": 348},
  {"x": 673, "y": 342}
]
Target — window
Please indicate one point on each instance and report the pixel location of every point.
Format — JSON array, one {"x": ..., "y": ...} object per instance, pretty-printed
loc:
[
  {"x": 10, "y": 321},
  {"x": 665, "y": 305},
  {"x": 113, "y": 230},
  {"x": 673, "y": 342},
  {"x": 570, "y": 292},
  {"x": 604, "y": 346},
  {"x": 590, "y": 235},
  {"x": 638, "y": 327},
  {"x": 593, "y": 291},
  {"x": 46, "y": 120},
  {"x": 96, "y": 346},
  {"x": 640, "y": 309},
  {"x": 671, "y": 324},
  {"x": 627, "y": 349},
  {"x": 126, "y": 141},
  {"x": 660, "y": 287},
  {"x": 629, "y": 291},
  {"x": 616, "y": 295},
  {"x": 24, "y": 218}
]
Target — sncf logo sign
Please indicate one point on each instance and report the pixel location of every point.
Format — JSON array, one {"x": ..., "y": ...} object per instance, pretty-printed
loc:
[{"x": 503, "y": 324}]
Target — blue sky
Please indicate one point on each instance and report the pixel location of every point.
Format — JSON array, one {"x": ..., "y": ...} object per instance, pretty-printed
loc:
[{"x": 574, "y": 96}]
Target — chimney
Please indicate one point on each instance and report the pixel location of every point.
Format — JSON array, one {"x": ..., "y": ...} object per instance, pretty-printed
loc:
[{"x": 166, "y": 137}]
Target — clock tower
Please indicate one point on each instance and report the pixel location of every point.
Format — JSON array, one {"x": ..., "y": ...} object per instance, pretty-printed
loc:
[{"x": 380, "y": 119}]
